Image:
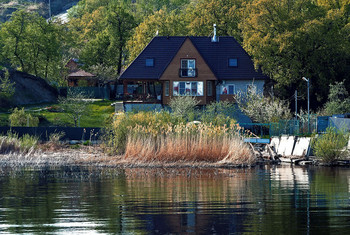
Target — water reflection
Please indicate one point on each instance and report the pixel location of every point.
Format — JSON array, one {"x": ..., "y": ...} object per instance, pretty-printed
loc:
[{"x": 266, "y": 199}]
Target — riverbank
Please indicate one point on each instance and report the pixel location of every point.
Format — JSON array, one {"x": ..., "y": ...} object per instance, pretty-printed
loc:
[{"x": 95, "y": 156}]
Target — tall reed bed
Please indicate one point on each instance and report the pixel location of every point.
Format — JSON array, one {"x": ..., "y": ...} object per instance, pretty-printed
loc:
[
  {"x": 162, "y": 137},
  {"x": 14, "y": 144}
]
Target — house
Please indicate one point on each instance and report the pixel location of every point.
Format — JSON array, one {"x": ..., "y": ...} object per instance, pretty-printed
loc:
[
  {"x": 210, "y": 69},
  {"x": 78, "y": 77}
]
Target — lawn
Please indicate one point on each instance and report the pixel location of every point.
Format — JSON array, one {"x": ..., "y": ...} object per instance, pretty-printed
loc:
[{"x": 98, "y": 112}]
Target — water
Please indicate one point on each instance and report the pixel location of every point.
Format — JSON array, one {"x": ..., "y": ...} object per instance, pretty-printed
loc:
[{"x": 261, "y": 200}]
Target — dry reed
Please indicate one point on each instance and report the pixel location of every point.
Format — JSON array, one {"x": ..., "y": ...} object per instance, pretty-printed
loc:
[{"x": 187, "y": 143}]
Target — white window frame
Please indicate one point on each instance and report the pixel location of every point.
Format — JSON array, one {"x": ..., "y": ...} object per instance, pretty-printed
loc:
[{"x": 187, "y": 88}]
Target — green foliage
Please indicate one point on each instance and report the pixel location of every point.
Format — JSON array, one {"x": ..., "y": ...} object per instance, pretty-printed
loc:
[
  {"x": 165, "y": 23},
  {"x": 33, "y": 44},
  {"x": 291, "y": 39},
  {"x": 262, "y": 109},
  {"x": 7, "y": 89},
  {"x": 20, "y": 118},
  {"x": 219, "y": 113},
  {"x": 101, "y": 34},
  {"x": 11, "y": 143},
  {"x": 226, "y": 14},
  {"x": 329, "y": 146},
  {"x": 75, "y": 105},
  {"x": 183, "y": 106},
  {"x": 338, "y": 100}
]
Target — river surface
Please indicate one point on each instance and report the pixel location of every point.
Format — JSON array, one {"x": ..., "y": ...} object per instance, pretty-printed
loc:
[{"x": 260, "y": 200}]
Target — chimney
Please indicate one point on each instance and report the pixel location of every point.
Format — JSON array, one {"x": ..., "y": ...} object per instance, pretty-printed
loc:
[{"x": 214, "y": 38}]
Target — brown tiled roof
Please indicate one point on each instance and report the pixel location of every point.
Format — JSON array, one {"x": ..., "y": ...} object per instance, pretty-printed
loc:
[{"x": 80, "y": 73}]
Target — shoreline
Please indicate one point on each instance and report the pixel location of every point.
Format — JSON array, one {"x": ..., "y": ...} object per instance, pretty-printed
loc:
[{"x": 93, "y": 156}]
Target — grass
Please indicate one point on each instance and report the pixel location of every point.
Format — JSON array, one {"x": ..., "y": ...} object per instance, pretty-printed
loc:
[
  {"x": 14, "y": 144},
  {"x": 154, "y": 138},
  {"x": 99, "y": 111}
]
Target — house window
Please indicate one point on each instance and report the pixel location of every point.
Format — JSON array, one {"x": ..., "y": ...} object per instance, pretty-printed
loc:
[
  {"x": 209, "y": 88},
  {"x": 150, "y": 62},
  {"x": 228, "y": 90},
  {"x": 187, "y": 88},
  {"x": 166, "y": 88},
  {"x": 188, "y": 68},
  {"x": 232, "y": 62}
]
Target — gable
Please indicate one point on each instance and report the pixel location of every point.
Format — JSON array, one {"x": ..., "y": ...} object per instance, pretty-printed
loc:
[{"x": 188, "y": 51}]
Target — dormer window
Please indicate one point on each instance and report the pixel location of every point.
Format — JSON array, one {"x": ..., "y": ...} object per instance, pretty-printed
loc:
[
  {"x": 232, "y": 62},
  {"x": 149, "y": 62},
  {"x": 188, "y": 68}
]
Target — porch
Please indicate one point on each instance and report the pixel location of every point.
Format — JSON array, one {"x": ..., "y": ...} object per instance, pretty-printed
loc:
[{"x": 145, "y": 92}]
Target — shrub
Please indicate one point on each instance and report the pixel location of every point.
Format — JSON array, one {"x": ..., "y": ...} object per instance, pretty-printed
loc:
[
  {"x": 338, "y": 100},
  {"x": 20, "y": 118},
  {"x": 329, "y": 146},
  {"x": 219, "y": 113},
  {"x": 184, "y": 106},
  {"x": 7, "y": 89},
  {"x": 263, "y": 109},
  {"x": 12, "y": 143}
]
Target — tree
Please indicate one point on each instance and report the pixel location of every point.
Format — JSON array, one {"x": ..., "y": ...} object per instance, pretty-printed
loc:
[
  {"x": 338, "y": 100},
  {"x": 165, "y": 23},
  {"x": 226, "y": 14},
  {"x": 7, "y": 88},
  {"x": 262, "y": 109},
  {"x": 33, "y": 44},
  {"x": 102, "y": 35},
  {"x": 75, "y": 105},
  {"x": 289, "y": 39},
  {"x": 19, "y": 118}
]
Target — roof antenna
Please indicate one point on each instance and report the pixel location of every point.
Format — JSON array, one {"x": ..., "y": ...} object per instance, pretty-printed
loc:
[{"x": 214, "y": 38}]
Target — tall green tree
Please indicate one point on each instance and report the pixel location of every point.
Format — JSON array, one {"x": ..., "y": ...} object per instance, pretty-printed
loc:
[
  {"x": 32, "y": 44},
  {"x": 102, "y": 35},
  {"x": 226, "y": 14},
  {"x": 162, "y": 23},
  {"x": 289, "y": 39}
]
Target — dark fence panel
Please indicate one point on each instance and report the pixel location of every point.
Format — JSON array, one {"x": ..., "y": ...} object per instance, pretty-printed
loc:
[{"x": 70, "y": 133}]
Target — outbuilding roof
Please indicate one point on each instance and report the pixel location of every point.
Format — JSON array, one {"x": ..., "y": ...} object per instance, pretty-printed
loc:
[{"x": 163, "y": 49}]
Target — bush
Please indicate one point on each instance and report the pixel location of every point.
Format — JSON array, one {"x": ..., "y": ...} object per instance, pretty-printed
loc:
[
  {"x": 219, "y": 113},
  {"x": 13, "y": 144},
  {"x": 184, "y": 106},
  {"x": 329, "y": 146},
  {"x": 263, "y": 109},
  {"x": 338, "y": 100},
  {"x": 20, "y": 118}
]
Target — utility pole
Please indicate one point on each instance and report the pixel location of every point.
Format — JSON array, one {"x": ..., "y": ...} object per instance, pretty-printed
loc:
[
  {"x": 308, "y": 102},
  {"x": 50, "y": 9}
]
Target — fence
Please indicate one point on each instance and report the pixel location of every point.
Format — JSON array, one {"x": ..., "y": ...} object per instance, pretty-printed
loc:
[
  {"x": 283, "y": 127},
  {"x": 70, "y": 133}
]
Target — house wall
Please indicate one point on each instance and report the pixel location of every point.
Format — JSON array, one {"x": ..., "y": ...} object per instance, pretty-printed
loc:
[
  {"x": 240, "y": 86},
  {"x": 171, "y": 74}
]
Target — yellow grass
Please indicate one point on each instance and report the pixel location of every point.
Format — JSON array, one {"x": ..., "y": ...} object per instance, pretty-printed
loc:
[{"x": 184, "y": 143}]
